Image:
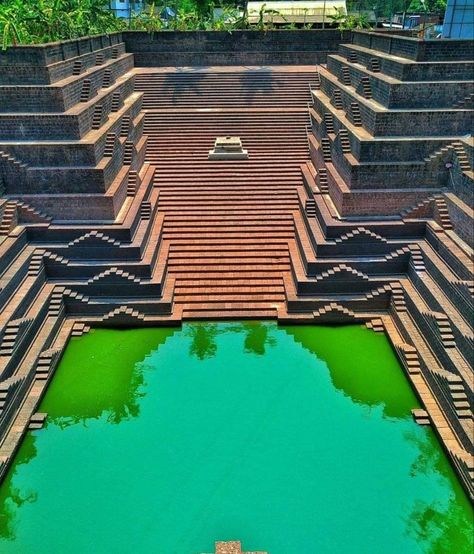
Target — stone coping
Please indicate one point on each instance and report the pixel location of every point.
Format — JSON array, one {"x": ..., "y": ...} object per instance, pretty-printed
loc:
[
  {"x": 399, "y": 34},
  {"x": 414, "y": 48},
  {"x": 51, "y": 52}
]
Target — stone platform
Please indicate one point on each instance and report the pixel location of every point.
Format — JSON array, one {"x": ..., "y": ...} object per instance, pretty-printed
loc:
[{"x": 232, "y": 547}]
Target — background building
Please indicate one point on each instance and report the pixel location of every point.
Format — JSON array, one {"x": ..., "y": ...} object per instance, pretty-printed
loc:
[
  {"x": 316, "y": 12},
  {"x": 125, "y": 8},
  {"x": 459, "y": 19}
]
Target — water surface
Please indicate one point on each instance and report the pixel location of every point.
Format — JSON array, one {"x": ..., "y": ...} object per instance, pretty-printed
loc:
[{"x": 295, "y": 440}]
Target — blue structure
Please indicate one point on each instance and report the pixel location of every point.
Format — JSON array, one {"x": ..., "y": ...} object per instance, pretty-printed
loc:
[
  {"x": 459, "y": 19},
  {"x": 126, "y": 8}
]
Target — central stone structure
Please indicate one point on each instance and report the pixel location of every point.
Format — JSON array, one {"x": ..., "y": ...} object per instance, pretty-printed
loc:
[
  {"x": 228, "y": 148},
  {"x": 232, "y": 547}
]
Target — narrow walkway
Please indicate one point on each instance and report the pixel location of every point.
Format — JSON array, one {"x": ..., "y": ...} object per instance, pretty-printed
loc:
[{"x": 228, "y": 222}]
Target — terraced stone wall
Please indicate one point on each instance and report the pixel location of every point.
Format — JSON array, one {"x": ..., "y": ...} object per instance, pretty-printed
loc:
[{"x": 199, "y": 48}]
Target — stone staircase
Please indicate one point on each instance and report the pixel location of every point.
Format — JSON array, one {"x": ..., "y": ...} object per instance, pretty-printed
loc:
[
  {"x": 378, "y": 98},
  {"x": 228, "y": 87},
  {"x": 227, "y": 222}
]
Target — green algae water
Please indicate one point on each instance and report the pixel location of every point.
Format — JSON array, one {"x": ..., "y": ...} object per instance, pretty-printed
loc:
[{"x": 295, "y": 440}]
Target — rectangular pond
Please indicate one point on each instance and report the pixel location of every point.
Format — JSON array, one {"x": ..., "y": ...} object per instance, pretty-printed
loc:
[{"x": 294, "y": 440}]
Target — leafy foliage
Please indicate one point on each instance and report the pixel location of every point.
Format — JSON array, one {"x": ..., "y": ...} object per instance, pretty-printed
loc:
[
  {"x": 349, "y": 22},
  {"x": 39, "y": 21},
  {"x": 33, "y": 21},
  {"x": 386, "y": 8}
]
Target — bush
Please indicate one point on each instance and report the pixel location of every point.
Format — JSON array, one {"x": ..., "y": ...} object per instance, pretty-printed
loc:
[{"x": 36, "y": 21}]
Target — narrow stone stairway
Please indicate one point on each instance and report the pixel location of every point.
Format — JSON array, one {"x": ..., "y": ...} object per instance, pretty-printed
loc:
[{"x": 228, "y": 223}]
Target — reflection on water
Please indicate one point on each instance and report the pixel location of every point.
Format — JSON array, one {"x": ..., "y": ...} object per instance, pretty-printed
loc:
[
  {"x": 441, "y": 523},
  {"x": 203, "y": 343},
  {"x": 104, "y": 377},
  {"x": 232, "y": 430},
  {"x": 257, "y": 337},
  {"x": 13, "y": 497},
  {"x": 204, "y": 335},
  {"x": 362, "y": 365}
]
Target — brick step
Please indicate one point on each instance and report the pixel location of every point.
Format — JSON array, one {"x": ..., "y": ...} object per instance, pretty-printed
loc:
[
  {"x": 215, "y": 278},
  {"x": 224, "y": 117},
  {"x": 259, "y": 262},
  {"x": 254, "y": 210},
  {"x": 224, "y": 181},
  {"x": 244, "y": 82},
  {"x": 214, "y": 101},
  {"x": 268, "y": 160},
  {"x": 222, "y": 297},
  {"x": 226, "y": 230},
  {"x": 231, "y": 313},
  {"x": 225, "y": 92},
  {"x": 223, "y": 247},
  {"x": 259, "y": 155},
  {"x": 275, "y": 118},
  {"x": 221, "y": 205},
  {"x": 187, "y": 189},
  {"x": 275, "y": 78},
  {"x": 258, "y": 139},
  {"x": 240, "y": 201},
  {"x": 177, "y": 225},
  {"x": 225, "y": 306},
  {"x": 170, "y": 208},
  {"x": 177, "y": 258},
  {"x": 198, "y": 160},
  {"x": 192, "y": 136},
  {"x": 228, "y": 90},
  {"x": 166, "y": 177},
  {"x": 193, "y": 103},
  {"x": 165, "y": 206},
  {"x": 224, "y": 185},
  {"x": 276, "y": 123},
  {"x": 199, "y": 151},
  {"x": 250, "y": 113},
  {"x": 199, "y": 141},
  {"x": 222, "y": 233},
  {"x": 257, "y": 142},
  {"x": 232, "y": 247},
  {"x": 189, "y": 133},
  {"x": 210, "y": 75},
  {"x": 209, "y": 207},
  {"x": 230, "y": 272},
  {"x": 234, "y": 86},
  {"x": 213, "y": 287},
  {"x": 228, "y": 243},
  {"x": 226, "y": 217},
  {"x": 210, "y": 98},
  {"x": 183, "y": 136}
]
